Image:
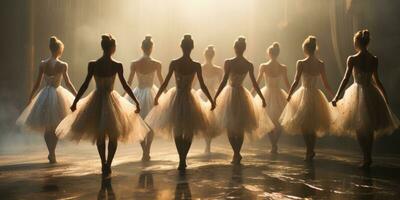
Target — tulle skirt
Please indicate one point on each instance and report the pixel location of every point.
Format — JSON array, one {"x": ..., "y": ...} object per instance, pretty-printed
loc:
[
  {"x": 213, "y": 129},
  {"x": 276, "y": 102},
  {"x": 308, "y": 111},
  {"x": 179, "y": 113},
  {"x": 103, "y": 115},
  {"x": 236, "y": 112},
  {"x": 47, "y": 109},
  {"x": 145, "y": 96},
  {"x": 363, "y": 108}
]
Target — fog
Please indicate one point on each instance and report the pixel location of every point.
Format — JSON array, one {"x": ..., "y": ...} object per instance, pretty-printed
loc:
[{"x": 79, "y": 24}]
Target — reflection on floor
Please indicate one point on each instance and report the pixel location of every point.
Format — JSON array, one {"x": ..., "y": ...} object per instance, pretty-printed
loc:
[{"x": 333, "y": 175}]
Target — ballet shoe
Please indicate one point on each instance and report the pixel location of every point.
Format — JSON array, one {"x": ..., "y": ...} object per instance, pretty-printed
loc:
[
  {"x": 309, "y": 157},
  {"x": 146, "y": 157},
  {"x": 365, "y": 165},
  {"x": 236, "y": 159},
  {"x": 274, "y": 150},
  {"x": 52, "y": 159},
  {"x": 182, "y": 166},
  {"x": 106, "y": 171}
]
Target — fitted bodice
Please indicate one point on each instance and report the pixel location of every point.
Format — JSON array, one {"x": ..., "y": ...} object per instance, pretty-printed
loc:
[
  {"x": 145, "y": 80},
  {"x": 53, "y": 80},
  {"x": 236, "y": 80},
  {"x": 105, "y": 84},
  {"x": 308, "y": 80},
  {"x": 272, "y": 81},
  {"x": 362, "y": 78},
  {"x": 184, "y": 81}
]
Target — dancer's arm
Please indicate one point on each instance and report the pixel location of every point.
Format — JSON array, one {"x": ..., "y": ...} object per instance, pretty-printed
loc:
[
  {"x": 127, "y": 88},
  {"x": 259, "y": 76},
  {"x": 203, "y": 86},
  {"x": 37, "y": 82},
  {"x": 131, "y": 75},
  {"x": 227, "y": 71},
  {"x": 344, "y": 82},
  {"x": 255, "y": 84},
  {"x": 378, "y": 81},
  {"x": 165, "y": 83},
  {"x": 299, "y": 71},
  {"x": 325, "y": 81},
  {"x": 84, "y": 86},
  {"x": 67, "y": 80},
  {"x": 286, "y": 78},
  {"x": 159, "y": 73}
]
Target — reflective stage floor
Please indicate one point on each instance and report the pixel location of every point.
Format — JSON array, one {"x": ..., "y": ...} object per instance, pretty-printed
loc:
[{"x": 333, "y": 175}]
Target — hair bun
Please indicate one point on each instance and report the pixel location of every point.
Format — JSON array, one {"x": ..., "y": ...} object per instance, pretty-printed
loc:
[
  {"x": 365, "y": 34},
  {"x": 275, "y": 45},
  {"x": 210, "y": 47},
  {"x": 148, "y": 37},
  {"x": 242, "y": 39},
  {"x": 187, "y": 37},
  {"x": 106, "y": 37},
  {"x": 53, "y": 40}
]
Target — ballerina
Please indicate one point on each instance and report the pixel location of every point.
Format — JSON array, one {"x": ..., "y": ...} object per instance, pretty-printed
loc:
[
  {"x": 364, "y": 111},
  {"x": 145, "y": 68},
  {"x": 236, "y": 112},
  {"x": 104, "y": 114},
  {"x": 213, "y": 75},
  {"x": 275, "y": 97},
  {"x": 308, "y": 111},
  {"x": 180, "y": 112},
  {"x": 47, "y": 108}
]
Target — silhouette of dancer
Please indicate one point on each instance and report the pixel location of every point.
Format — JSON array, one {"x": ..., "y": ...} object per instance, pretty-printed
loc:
[
  {"x": 104, "y": 114},
  {"x": 364, "y": 111},
  {"x": 145, "y": 68},
  {"x": 273, "y": 72},
  {"x": 213, "y": 75},
  {"x": 180, "y": 111},
  {"x": 47, "y": 108},
  {"x": 236, "y": 112},
  {"x": 307, "y": 111}
]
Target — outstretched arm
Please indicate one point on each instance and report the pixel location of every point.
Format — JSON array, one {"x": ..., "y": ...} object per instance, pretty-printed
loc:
[
  {"x": 299, "y": 71},
  {"x": 227, "y": 71},
  {"x": 378, "y": 82},
  {"x": 204, "y": 87},
  {"x": 164, "y": 84},
  {"x": 83, "y": 87},
  {"x": 67, "y": 80},
  {"x": 37, "y": 83},
  {"x": 344, "y": 82},
  {"x": 127, "y": 88},
  {"x": 255, "y": 84},
  {"x": 325, "y": 81}
]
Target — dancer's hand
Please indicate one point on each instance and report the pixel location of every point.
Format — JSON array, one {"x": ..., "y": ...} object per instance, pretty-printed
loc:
[
  {"x": 264, "y": 104},
  {"x": 213, "y": 105},
  {"x": 156, "y": 101},
  {"x": 334, "y": 101},
  {"x": 288, "y": 98},
  {"x": 73, "y": 107},
  {"x": 137, "y": 108}
]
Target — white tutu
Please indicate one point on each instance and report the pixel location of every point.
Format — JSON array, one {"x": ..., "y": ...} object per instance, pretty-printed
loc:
[
  {"x": 237, "y": 111},
  {"x": 213, "y": 129},
  {"x": 178, "y": 110},
  {"x": 145, "y": 96},
  {"x": 308, "y": 110},
  {"x": 275, "y": 98},
  {"x": 363, "y": 108},
  {"x": 48, "y": 107},
  {"x": 103, "y": 113}
]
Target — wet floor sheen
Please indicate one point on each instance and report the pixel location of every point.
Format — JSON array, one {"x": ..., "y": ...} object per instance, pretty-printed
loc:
[{"x": 333, "y": 175}]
